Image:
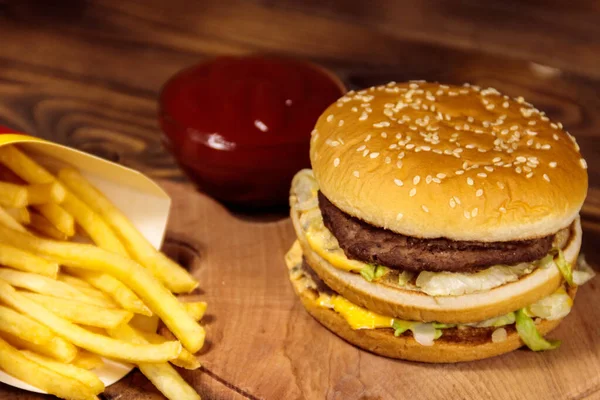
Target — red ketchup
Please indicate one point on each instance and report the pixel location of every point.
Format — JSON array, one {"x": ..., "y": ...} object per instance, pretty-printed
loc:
[{"x": 240, "y": 126}]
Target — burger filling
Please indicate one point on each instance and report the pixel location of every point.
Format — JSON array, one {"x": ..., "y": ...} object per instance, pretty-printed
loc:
[
  {"x": 437, "y": 267},
  {"x": 524, "y": 321}
]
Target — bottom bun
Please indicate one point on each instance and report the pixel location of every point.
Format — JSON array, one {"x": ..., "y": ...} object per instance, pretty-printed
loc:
[{"x": 384, "y": 343}]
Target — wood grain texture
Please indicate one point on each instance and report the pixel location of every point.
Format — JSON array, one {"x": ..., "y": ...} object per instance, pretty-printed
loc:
[{"x": 87, "y": 74}]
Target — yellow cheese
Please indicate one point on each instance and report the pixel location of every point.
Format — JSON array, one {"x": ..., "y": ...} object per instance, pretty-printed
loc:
[
  {"x": 357, "y": 317},
  {"x": 323, "y": 243}
]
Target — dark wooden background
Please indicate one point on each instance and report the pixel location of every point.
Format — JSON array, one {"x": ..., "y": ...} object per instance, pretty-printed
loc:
[{"x": 87, "y": 73}]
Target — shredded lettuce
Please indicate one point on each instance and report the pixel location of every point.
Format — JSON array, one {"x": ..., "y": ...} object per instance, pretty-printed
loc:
[
  {"x": 438, "y": 334},
  {"x": 565, "y": 268},
  {"x": 401, "y": 326},
  {"x": 530, "y": 335},
  {"x": 496, "y": 322},
  {"x": 438, "y": 325},
  {"x": 374, "y": 272}
]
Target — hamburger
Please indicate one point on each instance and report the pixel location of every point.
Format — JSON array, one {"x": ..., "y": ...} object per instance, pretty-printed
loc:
[{"x": 439, "y": 223}]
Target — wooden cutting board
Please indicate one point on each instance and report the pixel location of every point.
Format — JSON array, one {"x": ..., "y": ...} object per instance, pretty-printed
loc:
[{"x": 263, "y": 345}]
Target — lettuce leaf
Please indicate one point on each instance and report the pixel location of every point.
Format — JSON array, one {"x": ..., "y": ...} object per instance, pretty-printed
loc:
[
  {"x": 530, "y": 335},
  {"x": 565, "y": 268},
  {"x": 401, "y": 326},
  {"x": 374, "y": 272}
]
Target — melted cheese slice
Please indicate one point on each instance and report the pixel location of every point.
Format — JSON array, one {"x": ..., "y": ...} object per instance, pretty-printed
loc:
[{"x": 357, "y": 317}]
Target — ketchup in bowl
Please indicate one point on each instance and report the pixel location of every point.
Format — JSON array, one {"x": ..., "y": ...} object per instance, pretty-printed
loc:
[{"x": 240, "y": 126}]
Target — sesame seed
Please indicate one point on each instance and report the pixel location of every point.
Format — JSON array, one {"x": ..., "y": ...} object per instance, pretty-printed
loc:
[
  {"x": 553, "y": 126},
  {"x": 441, "y": 175},
  {"x": 555, "y": 136},
  {"x": 505, "y": 104},
  {"x": 531, "y": 123},
  {"x": 330, "y": 118},
  {"x": 384, "y": 135},
  {"x": 456, "y": 199},
  {"x": 336, "y": 162},
  {"x": 583, "y": 163},
  {"x": 399, "y": 216},
  {"x": 518, "y": 170},
  {"x": 412, "y": 192},
  {"x": 368, "y": 138},
  {"x": 467, "y": 214},
  {"x": 416, "y": 180},
  {"x": 361, "y": 148},
  {"x": 474, "y": 212},
  {"x": 479, "y": 193},
  {"x": 381, "y": 124},
  {"x": 502, "y": 210},
  {"x": 388, "y": 160},
  {"x": 428, "y": 179},
  {"x": 424, "y": 207},
  {"x": 546, "y": 177},
  {"x": 399, "y": 164},
  {"x": 459, "y": 172},
  {"x": 546, "y": 147},
  {"x": 552, "y": 164},
  {"x": 521, "y": 159},
  {"x": 365, "y": 153},
  {"x": 470, "y": 181},
  {"x": 398, "y": 182},
  {"x": 341, "y": 122},
  {"x": 436, "y": 180},
  {"x": 482, "y": 175},
  {"x": 488, "y": 168},
  {"x": 529, "y": 175},
  {"x": 356, "y": 174},
  {"x": 452, "y": 203},
  {"x": 393, "y": 146},
  {"x": 374, "y": 155},
  {"x": 500, "y": 185},
  {"x": 410, "y": 146},
  {"x": 354, "y": 109},
  {"x": 363, "y": 116}
]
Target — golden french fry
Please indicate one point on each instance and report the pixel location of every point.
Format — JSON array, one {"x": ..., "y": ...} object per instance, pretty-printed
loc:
[
  {"x": 73, "y": 281},
  {"x": 81, "y": 313},
  {"x": 95, "y": 294},
  {"x": 12, "y": 195},
  {"x": 185, "y": 360},
  {"x": 145, "y": 323},
  {"x": 93, "y": 225},
  {"x": 13, "y": 362},
  {"x": 81, "y": 337},
  {"x": 195, "y": 309},
  {"x": 21, "y": 215},
  {"x": 120, "y": 293},
  {"x": 43, "y": 193},
  {"x": 44, "y": 285},
  {"x": 87, "y": 360},
  {"x": 8, "y": 220},
  {"x": 57, "y": 216},
  {"x": 24, "y": 261},
  {"x": 23, "y": 166},
  {"x": 84, "y": 376},
  {"x": 162, "y": 375},
  {"x": 42, "y": 226},
  {"x": 140, "y": 280},
  {"x": 175, "y": 278},
  {"x": 57, "y": 348},
  {"x": 21, "y": 325}
]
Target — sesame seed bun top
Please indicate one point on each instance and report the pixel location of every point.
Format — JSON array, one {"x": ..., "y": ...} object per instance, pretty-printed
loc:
[{"x": 430, "y": 160}]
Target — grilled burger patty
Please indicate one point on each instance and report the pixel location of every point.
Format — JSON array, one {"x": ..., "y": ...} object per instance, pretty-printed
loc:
[{"x": 364, "y": 242}]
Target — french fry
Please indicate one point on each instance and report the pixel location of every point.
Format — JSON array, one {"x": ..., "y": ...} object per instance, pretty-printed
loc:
[
  {"x": 16, "y": 364},
  {"x": 195, "y": 309},
  {"x": 145, "y": 323},
  {"x": 81, "y": 337},
  {"x": 12, "y": 195},
  {"x": 20, "y": 325},
  {"x": 87, "y": 360},
  {"x": 57, "y": 348},
  {"x": 81, "y": 313},
  {"x": 7, "y": 220},
  {"x": 162, "y": 375},
  {"x": 120, "y": 293},
  {"x": 57, "y": 216},
  {"x": 42, "y": 226},
  {"x": 175, "y": 278},
  {"x": 84, "y": 376},
  {"x": 93, "y": 225},
  {"x": 44, "y": 285},
  {"x": 185, "y": 360},
  {"x": 43, "y": 193},
  {"x": 33, "y": 173},
  {"x": 21, "y": 215},
  {"x": 153, "y": 293},
  {"x": 73, "y": 281},
  {"x": 27, "y": 262}
]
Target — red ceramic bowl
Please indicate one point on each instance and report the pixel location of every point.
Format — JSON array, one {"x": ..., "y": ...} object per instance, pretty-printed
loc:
[{"x": 240, "y": 126}]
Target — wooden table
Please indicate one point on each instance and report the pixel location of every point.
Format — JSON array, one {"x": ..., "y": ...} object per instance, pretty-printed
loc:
[{"x": 87, "y": 74}]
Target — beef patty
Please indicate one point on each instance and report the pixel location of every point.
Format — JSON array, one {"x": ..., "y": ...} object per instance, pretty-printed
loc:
[{"x": 373, "y": 245}]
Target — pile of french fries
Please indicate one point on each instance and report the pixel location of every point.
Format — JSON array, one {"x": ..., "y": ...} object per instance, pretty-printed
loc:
[{"x": 79, "y": 283}]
